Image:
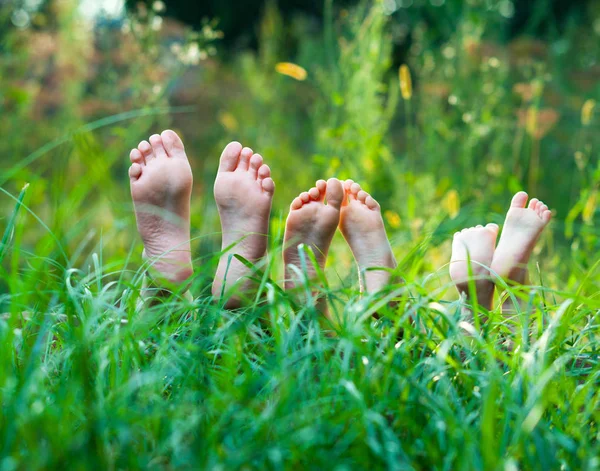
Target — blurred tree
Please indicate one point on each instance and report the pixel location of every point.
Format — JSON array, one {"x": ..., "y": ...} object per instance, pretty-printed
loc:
[{"x": 238, "y": 19}]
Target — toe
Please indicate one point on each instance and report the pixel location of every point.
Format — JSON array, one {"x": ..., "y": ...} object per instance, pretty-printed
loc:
[
  {"x": 493, "y": 230},
  {"x": 172, "y": 143},
  {"x": 230, "y": 157},
  {"x": 146, "y": 149},
  {"x": 546, "y": 216},
  {"x": 335, "y": 193},
  {"x": 157, "y": 146},
  {"x": 245, "y": 155},
  {"x": 255, "y": 162},
  {"x": 479, "y": 226},
  {"x": 321, "y": 185},
  {"x": 268, "y": 185},
  {"x": 353, "y": 191},
  {"x": 362, "y": 196},
  {"x": 492, "y": 227},
  {"x": 264, "y": 171},
  {"x": 346, "y": 187},
  {"x": 542, "y": 208},
  {"x": 135, "y": 171},
  {"x": 305, "y": 197},
  {"x": 136, "y": 157},
  {"x": 371, "y": 202},
  {"x": 297, "y": 203},
  {"x": 519, "y": 200},
  {"x": 314, "y": 193},
  {"x": 533, "y": 203}
]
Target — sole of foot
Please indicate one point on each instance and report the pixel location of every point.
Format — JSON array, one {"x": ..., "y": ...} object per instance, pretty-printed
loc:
[
  {"x": 243, "y": 192},
  {"x": 161, "y": 186},
  {"x": 313, "y": 219},
  {"x": 522, "y": 228},
  {"x": 476, "y": 244},
  {"x": 362, "y": 226}
]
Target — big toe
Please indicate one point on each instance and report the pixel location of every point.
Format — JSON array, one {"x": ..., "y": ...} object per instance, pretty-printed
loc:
[
  {"x": 519, "y": 200},
  {"x": 172, "y": 143},
  {"x": 230, "y": 157},
  {"x": 335, "y": 193}
]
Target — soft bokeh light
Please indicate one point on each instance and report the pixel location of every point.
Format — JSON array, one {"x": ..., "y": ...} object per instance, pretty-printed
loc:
[{"x": 111, "y": 8}]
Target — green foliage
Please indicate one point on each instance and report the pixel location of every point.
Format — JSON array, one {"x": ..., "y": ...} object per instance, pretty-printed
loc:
[{"x": 88, "y": 379}]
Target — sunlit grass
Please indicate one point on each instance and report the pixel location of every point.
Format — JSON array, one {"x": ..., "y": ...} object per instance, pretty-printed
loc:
[
  {"x": 88, "y": 378},
  {"x": 402, "y": 379}
]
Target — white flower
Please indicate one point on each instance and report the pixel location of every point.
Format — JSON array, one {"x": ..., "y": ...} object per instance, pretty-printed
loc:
[
  {"x": 156, "y": 24},
  {"x": 137, "y": 27},
  {"x": 494, "y": 62},
  {"x": 126, "y": 27},
  {"x": 192, "y": 55},
  {"x": 158, "y": 6}
]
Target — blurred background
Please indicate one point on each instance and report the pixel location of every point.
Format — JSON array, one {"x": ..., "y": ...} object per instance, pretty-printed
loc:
[{"x": 442, "y": 109}]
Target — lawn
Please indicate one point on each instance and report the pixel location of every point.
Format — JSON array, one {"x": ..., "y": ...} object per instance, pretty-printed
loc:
[{"x": 439, "y": 109}]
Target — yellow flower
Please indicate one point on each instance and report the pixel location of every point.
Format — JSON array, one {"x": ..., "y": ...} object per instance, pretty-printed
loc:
[
  {"x": 590, "y": 207},
  {"x": 334, "y": 164},
  {"x": 537, "y": 122},
  {"x": 587, "y": 111},
  {"x": 451, "y": 203},
  {"x": 392, "y": 218},
  {"x": 291, "y": 70},
  {"x": 405, "y": 82},
  {"x": 368, "y": 164},
  {"x": 228, "y": 121},
  {"x": 525, "y": 90},
  {"x": 531, "y": 121},
  {"x": 580, "y": 160}
]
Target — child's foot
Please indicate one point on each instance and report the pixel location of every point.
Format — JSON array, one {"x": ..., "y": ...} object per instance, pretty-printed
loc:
[
  {"x": 161, "y": 185},
  {"x": 313, "y": 223},
  {"x": 521, "y": 231},
  {"x": 362, "y": 227},
  {"x": 243, "y": 192},
  {"x": 476, "y": 243}
]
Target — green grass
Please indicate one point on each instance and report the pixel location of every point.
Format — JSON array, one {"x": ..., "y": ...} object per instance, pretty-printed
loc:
[{"x": 87, "y": 380}]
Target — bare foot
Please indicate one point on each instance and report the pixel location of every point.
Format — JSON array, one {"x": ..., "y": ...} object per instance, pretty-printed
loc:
[
  {"x": 520, "y": 233},
  {"x": 362, "y": 227},
  {"x": 161, "y": 185},
  {"x": 478, "y": 244},
  {"x": 243, "y": 192},
  {"x": 313, "y": 223}
]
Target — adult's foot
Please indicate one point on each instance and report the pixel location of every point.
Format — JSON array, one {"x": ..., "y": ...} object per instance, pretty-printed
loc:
[
  {"x": 243, "y": 193},
  {"x": 476, "y": 244},
  {"x": 362, "y": 226},
  {"x": 522, "y": 228},
  {"x": 161, "y": 186},
  {"x": 313, "y": 223}
]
